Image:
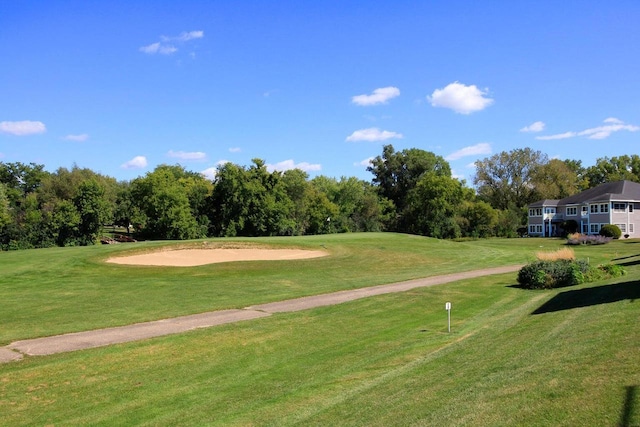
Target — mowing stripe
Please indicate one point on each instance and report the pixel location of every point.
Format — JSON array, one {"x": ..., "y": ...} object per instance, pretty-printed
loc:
[{"x": 139, "y": 331}]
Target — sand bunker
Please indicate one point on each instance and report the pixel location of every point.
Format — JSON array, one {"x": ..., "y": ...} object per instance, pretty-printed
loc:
[{"x": 193, "y": 257}]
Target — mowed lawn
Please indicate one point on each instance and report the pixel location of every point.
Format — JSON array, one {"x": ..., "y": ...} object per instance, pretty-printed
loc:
[{"x": 514, "y": 357}]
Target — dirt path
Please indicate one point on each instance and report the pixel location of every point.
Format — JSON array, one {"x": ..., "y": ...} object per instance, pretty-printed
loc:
[{"x": 139, "y": 331}]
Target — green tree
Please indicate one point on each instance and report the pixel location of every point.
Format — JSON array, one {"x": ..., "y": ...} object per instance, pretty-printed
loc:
[
  {"x": 250, "y": 202},
  {"x": 94, "y": 210},
  {"x": 5, "y": 216},
  {"x": 477, "y": 219},
  {"x": 433, "y": 206},
  {"x": 65, "y": 223},
  {"x": 614, "y": 169},
  {"x": 397, "y": 173},
  {"x": 161, "y": 207},
  {"x": 555, "y": 179},
  {"x": 506, "y": 180}
]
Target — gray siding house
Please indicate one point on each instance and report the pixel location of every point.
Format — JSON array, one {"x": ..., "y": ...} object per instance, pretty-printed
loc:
[{"x": 611, "y": 203}]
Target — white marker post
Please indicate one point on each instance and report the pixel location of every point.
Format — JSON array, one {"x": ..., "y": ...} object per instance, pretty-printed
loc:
[{"x": 447, "y": 307}]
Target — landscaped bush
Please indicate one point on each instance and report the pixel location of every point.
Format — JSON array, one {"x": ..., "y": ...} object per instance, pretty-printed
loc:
[
  {"x": 587, "y": 239},
  {"x": 563, "y": 272},
  {"x": 569, "y": 226},
  {"x": 611, "y": 230},
  {"x": 553, "y": 274}
]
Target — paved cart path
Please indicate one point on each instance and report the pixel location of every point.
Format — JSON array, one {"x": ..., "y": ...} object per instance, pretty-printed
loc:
[{"x": 139, "y": 331}]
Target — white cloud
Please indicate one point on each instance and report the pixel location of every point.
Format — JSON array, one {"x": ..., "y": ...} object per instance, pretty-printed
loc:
[
  {"x": 22, "y": 128},
  {"x": 473, "y": 150},
  {"x": 373, "y": 134},
  {"x": 164, "y": 47},
  {"x": 460, "y": 98},
  {"x": 137, "y": 162},
  {"x": 210, "y": 173},
  {"x": 599, "y": 132},
  {"x": 379, "y": 96},
  {"x": 235, "y": 149},
  {"x": 557, "y": 136},
  {"x": 471, "y": 165},
  {"x": 366, "y": 162},
  {"x": 183, "y": 155},
  {"x": 77, "y": 138},
  {"x": 290, "y": 164},
  {"x": 534, "y": 127}
]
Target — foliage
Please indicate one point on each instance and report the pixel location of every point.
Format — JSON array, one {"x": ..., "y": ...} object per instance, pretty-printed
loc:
[
  {"x": 611, "y": 230},
  {"x": 587, "y": 239},
  {"x": 569, "y": 226},
  {"x": 555, "y": 180},
  {"x": 397, "y": 173},
  {"x": 553, "y": 274},
  {"x": 547, "y": 274},
  {"x": 506, "y": 180},
  {"x": 614, "y": 169}
]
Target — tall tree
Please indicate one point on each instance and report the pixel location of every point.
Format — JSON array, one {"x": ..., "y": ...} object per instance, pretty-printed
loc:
[
  {"x": 506, "y": 180},
  {"x": 433, "y": 206},
  {"x": 555, "y": 180},
  {"x": 397, "y": 173},
  {"x": 94, "y": 210},
  {"x": 614, "y": 169}
]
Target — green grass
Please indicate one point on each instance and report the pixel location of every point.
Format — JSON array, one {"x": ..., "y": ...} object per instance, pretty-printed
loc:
[
  {"x": 514, "y": 357},
  {"x": 53, "y": 291}
]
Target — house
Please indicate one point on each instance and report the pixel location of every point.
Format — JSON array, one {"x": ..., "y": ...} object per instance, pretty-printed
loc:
[{"x": 610, "y": 203}]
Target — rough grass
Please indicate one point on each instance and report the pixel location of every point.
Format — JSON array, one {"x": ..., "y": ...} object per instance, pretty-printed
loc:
[{"x": 557, "y": 255}]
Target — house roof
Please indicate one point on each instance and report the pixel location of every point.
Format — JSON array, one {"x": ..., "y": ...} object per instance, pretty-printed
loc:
[{"x": 610, "y": 191}]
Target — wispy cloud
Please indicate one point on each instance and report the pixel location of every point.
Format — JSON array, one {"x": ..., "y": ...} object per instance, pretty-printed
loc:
[
  {"x": 77, "y": 138},
  {"x": 290, "y": 164},
  {"x": 235, "y": 149},
  {"x": 379, "y": 96},
  {"x": 534, "y": 127},
  {"x": 473, "y": 150},
  {"x": 184, "y": 36},
  {"x": 22, "y": 128},
  {"x": 184, "y": 155},
  {"x": 137, "y": 162},
  {"x": 166, "y": 45},
  {"x": 373, "y": 134},
  {"x": 600, "y": 132},
  {"x": 460, "y": 98}
]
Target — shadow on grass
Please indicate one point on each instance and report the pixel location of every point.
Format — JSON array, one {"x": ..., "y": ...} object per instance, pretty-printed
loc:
[
  {"x": 629, "y": 263},
  {"x": 591, "y": 296},
  {"x": 627, "y": 407},
  {"x": 625, "y": 257}
]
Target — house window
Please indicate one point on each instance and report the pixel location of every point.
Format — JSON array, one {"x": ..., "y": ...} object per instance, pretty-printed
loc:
[
  {"x": 535, "y": 212},
  {"x": 538, "y": 228},
  {"x": 630, "y": 228},
  {"x": 572, "y": 211},
  {"x": 593, "y": 208},
  {"x": 630, "y": 207},
  {"x": 604, "y": 208},
  {"x": 622, "y": 227},
  {"x": 619, "y": 207},
  {"x": 585, "y": 210},
  {"x": 595, "y": 228},
  {"x": 585, "y": 228}
]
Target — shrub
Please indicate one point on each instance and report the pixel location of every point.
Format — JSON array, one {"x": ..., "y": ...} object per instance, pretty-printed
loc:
[
  {"x": 611, "y": 230},
  {"x": 564, "y": 253},
  {"x": 559, "y": 273},
  {"x": 552, "y": 274},
  {"x": 586, "y": 239}
]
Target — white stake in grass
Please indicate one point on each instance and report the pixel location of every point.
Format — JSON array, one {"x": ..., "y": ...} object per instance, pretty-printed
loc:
[{"x": 447, "y": 306}]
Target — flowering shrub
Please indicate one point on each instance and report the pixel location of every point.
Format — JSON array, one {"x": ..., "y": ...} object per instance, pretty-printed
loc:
[{"x": 587, "y": 239}]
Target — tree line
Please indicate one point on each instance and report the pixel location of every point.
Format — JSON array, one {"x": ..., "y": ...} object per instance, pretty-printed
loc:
[{"x": 411, "y": 191}]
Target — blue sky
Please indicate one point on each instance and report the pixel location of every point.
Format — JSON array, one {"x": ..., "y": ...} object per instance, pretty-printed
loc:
[{"x": 123, "y": 86}]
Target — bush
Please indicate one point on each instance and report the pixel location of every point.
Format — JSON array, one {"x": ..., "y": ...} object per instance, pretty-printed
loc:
[
  {"x": 569, "y": 226},
  {"x": 586, "y": 239},
  {"x": 553, "y": 274},
  {"x": 611, "y": 230},
  {"x": 559, "y": 273}
]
